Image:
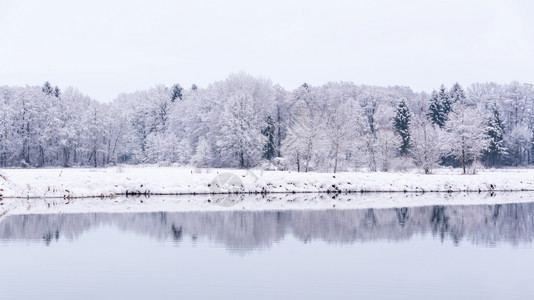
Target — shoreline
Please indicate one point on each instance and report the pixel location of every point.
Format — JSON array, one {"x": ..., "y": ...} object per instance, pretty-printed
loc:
[
  {"x": 113, "y": 182},
  {"x": 258, "y": 203},
  {"x": 248, "y": 193}
]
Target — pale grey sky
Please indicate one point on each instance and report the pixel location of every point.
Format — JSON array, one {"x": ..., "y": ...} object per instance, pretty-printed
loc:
[{"x": 105, "y": 48}]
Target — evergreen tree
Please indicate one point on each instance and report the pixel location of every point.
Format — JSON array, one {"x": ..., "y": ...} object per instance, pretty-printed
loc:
[
  {"x": 402, "y": 124},
  {"x": 456, "y": 95},
  {"x": 269, "y": 132},
  {"x": 47, "y": 88},
  {"x": 495, "y": 131},
  {"x": 435, "y": 110},
  {"x": 176, "y": 92},
  {"x": 445, "y": 101},
  {"x": 57, "y": 92}
]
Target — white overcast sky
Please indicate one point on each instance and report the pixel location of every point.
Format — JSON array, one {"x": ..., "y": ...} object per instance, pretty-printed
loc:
[{"x": 105, "y": 47}]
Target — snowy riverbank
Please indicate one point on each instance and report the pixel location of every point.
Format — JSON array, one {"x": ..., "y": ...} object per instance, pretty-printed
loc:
[{"x": 113, "y": 181}]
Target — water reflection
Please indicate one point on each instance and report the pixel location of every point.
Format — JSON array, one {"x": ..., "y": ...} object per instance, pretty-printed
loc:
[{"x": 484, "y": 225}]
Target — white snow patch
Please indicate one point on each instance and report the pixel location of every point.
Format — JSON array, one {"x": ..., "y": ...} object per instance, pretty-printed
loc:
[{"x": 106, "y": 182}]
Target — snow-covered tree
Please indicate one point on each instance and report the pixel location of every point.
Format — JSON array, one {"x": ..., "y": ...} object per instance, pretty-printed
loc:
[
  {"x": 8, "y": 131},
  {"x": 305, "y": 133},
  {"x": 176, "y": 92},
  {"x": 269, "y": 133},
  {"x": 203, "y": 155},
  {"x": 402, "y": 126},
  {"x": 369, "y": 151},
  {"x": 47, "y": 89},
  {"x": 446, "y": 101},
  {"x": 57, "y": 92},
  {"x": 519, "y": 144},
  {"x": 426, "y": 143},
  {"x": 387, "y": 145},
  {"x": 342, "y": 127},
  {"x": 241, "y": 141},
  {"x": 378, "y": 150},
  {"x": 495, "y": 131},
  {"x": 93, "y": 145},
  {"x": 467, "y": 137},
  {"x": 456, "y": 95},
  {"x": 244, "y": 119},
  {"x": 435, "y": 110}
]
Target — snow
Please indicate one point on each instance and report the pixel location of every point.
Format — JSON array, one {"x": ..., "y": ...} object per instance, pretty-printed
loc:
[
  {"x": 109, "y": 182},
  {"x": 38, "y": 191}
]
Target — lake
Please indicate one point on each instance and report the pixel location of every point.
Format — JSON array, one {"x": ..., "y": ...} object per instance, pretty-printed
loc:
[{"x": 430, "y": 252}]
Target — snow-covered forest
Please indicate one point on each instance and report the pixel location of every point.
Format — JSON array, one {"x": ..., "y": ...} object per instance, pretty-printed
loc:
[{"x": 245, "y": 121}]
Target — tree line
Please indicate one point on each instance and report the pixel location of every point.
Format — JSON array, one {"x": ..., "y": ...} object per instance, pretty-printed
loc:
[{"x": 245, "y": 121}]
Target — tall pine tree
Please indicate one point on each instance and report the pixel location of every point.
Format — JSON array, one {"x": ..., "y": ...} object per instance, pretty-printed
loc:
[
  {"x": 402, "y": 126},
  {"x": 57, "y": 92},
  {"x": 456, "y": 95},
  {"x": 268, "y": 132},
  {"x": 176, "y": 92},
  {"x": 495, "y": 130},
  {"x": 435, "y": 110},
  {"x": 47, "y": 89},
  {"x": 446, "y": 102}
]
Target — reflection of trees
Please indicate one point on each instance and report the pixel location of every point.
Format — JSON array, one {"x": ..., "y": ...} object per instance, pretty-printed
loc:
[
  {"x": 402, "y": 215},
  {"x": 439, "y": 221},
  {"x": 245, "y": 230}
]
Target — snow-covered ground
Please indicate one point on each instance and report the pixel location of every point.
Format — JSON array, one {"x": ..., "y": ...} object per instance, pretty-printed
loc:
[
  {"x": 61, "y": 190},
  {"x": 109, "y": 182}
]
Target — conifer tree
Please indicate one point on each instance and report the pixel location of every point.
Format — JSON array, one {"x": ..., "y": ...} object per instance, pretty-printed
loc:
[
  {"x": 402, "y": 124},
  {"x": 47, "y": 88},
  {"x": 456, "y": 95},
  {"x": 57, "y": 92},
  {"x": 176, "y": 92},
  {"x": 444, "y": 99},
  {"x": 495, "y": 130},
  {"x": 435, "y": 111},
  {"x": 269, "y": 132}
]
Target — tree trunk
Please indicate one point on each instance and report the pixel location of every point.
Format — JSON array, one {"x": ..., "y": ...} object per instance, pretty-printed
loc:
[
  {"x": 279, "y": 137},
  {"x": 463, "y": 159},
  {"x": 298, "y": 163},
  {"x": 41, "y": 156},
  {"x": 65, "y": 157},
  {"x": 308, "y": 156},
  {"x": 94, "y": 157},
  {"x": 335, "y": 160}
]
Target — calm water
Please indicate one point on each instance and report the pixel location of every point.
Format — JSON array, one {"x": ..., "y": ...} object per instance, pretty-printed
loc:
[{"x": 439, "y": 252}]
